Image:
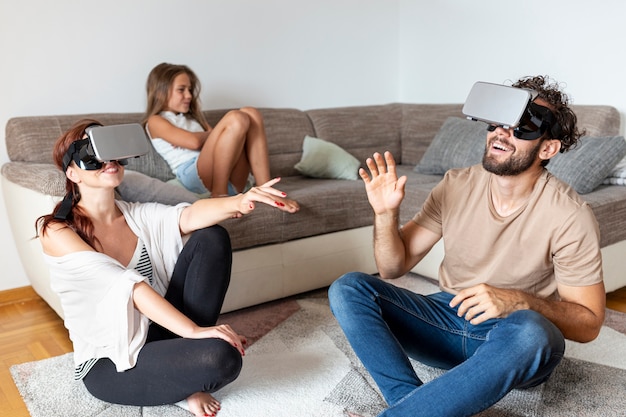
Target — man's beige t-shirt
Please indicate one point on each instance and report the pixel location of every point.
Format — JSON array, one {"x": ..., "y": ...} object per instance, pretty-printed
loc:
[{"x": 553, "y": 237}]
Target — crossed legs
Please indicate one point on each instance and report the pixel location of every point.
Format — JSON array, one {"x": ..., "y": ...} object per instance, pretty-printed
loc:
[
  {"x": 170, "y": 368},
  {"x": 386, "y": 325}
]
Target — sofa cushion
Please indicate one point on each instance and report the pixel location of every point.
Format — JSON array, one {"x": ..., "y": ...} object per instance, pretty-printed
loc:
[
  {"x": 458, "y": 144},
  {"x": 360, "y": 130},
  {"x": 323, "y": 159},
  {"x": 617, "y": 175},
  {"x": 585, "y": 166},
  {"x": 285, "y": 129},
  {"x": 43, "y": 178},
  {"x": 151, "y": 164},
  {"x": 323, "y": 209},
  {"x": 420, "y": 124},
  {"x": 142, "y": 188}
]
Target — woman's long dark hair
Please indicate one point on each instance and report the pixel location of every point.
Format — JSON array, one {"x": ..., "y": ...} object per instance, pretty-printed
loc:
[{"x": 76, "y": 220}]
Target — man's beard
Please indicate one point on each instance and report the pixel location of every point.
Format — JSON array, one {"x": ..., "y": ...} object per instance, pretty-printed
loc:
[{"x": 515, "y": 165}]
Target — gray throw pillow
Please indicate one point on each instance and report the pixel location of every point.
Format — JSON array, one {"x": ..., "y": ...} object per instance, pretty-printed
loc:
[
  {"x": 585, "y": 166},
  {"x": 152, "y": 164},
  {"x": 459, "y": 143},
  {"x": 138, "y": 187}
]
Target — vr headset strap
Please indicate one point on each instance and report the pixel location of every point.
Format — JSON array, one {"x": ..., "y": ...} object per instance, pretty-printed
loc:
[{"x": 66, "y": 207}]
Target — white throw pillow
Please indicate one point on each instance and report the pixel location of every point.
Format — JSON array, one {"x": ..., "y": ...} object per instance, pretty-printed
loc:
[{"x": 323, "y": 159}]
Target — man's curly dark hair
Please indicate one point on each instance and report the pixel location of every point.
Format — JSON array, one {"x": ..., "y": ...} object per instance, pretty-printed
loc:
[{"x": 550, "y": 92}]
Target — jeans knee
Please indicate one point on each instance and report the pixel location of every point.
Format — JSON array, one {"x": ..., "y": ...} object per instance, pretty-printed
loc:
[
  {"x": 338, "y": 287},
  {"x": 345, "y": 289},
  {"x": 531, "y": 332}
]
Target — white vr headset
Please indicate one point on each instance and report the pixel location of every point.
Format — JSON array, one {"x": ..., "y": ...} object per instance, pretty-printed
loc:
[
  {"x": 103, "y": 144},
  {"x": 107, "y": 143},
  {"x": 511, "y": 107}
]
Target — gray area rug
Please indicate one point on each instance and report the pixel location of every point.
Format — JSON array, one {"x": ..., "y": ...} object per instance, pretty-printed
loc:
[{"x": 304, "y": 367}]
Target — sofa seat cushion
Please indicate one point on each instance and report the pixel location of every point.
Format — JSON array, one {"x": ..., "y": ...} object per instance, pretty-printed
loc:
[
  {"x": 326, "y": 206},
  {"x": 609, "y": 206},
  {"x": 416, "y": 191}
]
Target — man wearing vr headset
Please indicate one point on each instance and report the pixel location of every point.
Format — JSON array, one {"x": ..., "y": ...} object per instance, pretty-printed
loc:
[{"x": 522, "y": 271}]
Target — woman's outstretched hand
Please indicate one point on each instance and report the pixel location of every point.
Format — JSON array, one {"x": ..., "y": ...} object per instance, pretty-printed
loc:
[
  {"x": 266, "y": 194},
  {"x": 209, "y": 211}
]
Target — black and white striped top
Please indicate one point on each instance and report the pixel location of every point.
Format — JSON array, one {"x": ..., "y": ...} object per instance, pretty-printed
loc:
[{"x": 141, "y": 263}]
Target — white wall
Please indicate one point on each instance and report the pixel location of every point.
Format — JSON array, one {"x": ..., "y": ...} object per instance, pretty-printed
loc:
[
  {"x": 447, "y": 45},
  {"x": 76, "y": 56},
  {"x": 71, "y": 57}
]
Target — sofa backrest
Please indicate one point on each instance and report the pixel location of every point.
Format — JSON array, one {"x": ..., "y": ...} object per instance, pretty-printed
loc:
[
  {"x": 360, "y": 130},
  {"x": 31, "y": 139},
  {"x": 404, "y": 129},
  {"x": 421, "y": 122}
]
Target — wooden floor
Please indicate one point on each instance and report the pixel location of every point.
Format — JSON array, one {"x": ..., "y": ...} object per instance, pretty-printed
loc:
[{"x": 30, "y": 330}]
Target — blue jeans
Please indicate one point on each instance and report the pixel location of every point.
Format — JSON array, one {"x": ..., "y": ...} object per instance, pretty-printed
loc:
[{"x": 386, "y": 325}]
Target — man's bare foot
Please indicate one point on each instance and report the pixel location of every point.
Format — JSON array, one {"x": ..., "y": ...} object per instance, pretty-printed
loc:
[
  {"x": 203, "y": 404},
  {"x": 350, "y": 414}
]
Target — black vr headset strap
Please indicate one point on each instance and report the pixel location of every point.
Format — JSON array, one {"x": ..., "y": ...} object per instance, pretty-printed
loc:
[
  {"x": 556, "y": 131},
  {"x": 66, "y": 207},
  {"x": 69, "y": 155}
]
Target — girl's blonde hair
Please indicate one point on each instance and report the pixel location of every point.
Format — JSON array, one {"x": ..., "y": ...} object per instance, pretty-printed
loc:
[{"x": 159, "y": 84}]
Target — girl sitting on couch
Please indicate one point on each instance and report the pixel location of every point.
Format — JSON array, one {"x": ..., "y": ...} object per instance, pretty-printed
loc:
[{"x": 204, "y": 159}]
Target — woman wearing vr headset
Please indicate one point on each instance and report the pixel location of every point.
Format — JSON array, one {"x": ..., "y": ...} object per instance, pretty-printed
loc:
[
  {"x": 142, "y": 284},
  {"x": 204, "y": 159}
]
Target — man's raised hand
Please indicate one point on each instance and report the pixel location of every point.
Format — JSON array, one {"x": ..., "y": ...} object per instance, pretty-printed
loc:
[{"x": 385, "y": 190}]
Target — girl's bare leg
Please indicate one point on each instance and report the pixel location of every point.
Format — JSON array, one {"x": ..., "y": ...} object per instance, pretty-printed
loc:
[
  {"x": 237, "y": 146},
  {"x": 221, "y": 152},
  {"x": 203, "y": 404},
  {"x": 256, "y": 146},
  {"x": 258, "y": 155}
]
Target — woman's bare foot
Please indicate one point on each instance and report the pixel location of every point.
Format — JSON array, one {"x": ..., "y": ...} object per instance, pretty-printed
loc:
[{"x": 203, "y": 404}]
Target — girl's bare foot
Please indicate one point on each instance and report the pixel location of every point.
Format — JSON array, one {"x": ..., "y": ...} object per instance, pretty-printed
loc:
[{"x": 203, "y": 404}]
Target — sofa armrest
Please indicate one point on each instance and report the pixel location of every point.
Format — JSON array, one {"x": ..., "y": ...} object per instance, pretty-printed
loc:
[{"x": 45, "y": 179}]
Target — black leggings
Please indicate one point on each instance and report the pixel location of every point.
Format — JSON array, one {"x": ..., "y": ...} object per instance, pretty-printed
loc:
[{"x": 170, "y": 368}]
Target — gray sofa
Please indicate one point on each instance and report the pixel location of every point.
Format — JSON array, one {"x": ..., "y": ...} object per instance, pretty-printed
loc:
[{"x": 278, "y": 254}]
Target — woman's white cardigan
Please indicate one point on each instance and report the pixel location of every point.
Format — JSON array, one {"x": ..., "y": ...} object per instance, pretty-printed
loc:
[{"x": 96, "y": 290}]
